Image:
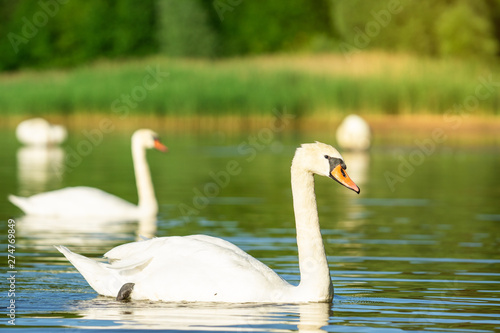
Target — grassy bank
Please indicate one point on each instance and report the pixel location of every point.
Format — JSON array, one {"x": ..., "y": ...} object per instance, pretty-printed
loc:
[{"x": 304, "y": 85}]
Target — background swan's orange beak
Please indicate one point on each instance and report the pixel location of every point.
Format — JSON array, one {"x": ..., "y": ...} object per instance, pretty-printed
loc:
[
  {"x": 343, "y": 178},
  {"x": 160, "y": 146}
]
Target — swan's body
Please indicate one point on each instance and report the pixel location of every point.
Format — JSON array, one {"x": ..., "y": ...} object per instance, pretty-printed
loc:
[
  {"x": 158, "y": 266},
  {"x": 354, "y": 133},
  {"x": 39, "y": 132},
  {"x": 208, "y": 269},
  {"x": 75, "y": 201},
  {"x": 86, "y": 201}
]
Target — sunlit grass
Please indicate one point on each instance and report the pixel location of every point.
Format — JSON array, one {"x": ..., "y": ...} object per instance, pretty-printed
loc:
[{"x": 376, "y": 83}]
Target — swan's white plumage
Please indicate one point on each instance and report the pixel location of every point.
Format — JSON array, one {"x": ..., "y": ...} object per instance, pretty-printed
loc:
[
  {"x": 354, "y": 133},
  {"x": 75, "y": 201},
  {"x": 175, "y": 269},
  {"x": 207, "y": 269},
  {"x": 39, "y": 132},
  {"x": 83, "y": 201}
]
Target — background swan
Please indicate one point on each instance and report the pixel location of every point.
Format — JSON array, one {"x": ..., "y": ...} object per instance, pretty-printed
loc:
[
  {"x": 39, "y": 132},
  {"x": 354, "y": 133},
  {"x": 204, "y": 268},
  {"x": 87, "y": 201}
]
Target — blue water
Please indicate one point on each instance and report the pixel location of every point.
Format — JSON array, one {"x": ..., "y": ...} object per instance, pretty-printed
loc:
[{"x": 422, "y": 257}]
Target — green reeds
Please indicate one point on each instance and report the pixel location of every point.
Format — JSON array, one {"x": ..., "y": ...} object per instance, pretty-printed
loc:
[{"x": 304, "y": 85}]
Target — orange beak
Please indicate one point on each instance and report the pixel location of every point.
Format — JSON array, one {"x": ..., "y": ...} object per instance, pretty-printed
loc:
[
  {"x": 339, "y": 174},
  {"x": 160, "y": 146}
]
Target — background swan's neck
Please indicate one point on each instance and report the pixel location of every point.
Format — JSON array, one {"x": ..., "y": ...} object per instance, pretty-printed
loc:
[
  {"x": 147, "y": 199},
  {"x": 315, "y": 282}
]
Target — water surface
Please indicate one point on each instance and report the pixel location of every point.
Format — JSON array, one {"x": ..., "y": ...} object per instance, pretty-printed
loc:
[{"x": 421, "y": 254}]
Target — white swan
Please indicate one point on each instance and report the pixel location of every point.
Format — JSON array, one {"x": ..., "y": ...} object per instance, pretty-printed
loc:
[
  {"x": 354, "y": 133},
  {"x": 209, "y": 269},
  {"x": 87, "y": 201},
  {"x": 39, "y": 132}
]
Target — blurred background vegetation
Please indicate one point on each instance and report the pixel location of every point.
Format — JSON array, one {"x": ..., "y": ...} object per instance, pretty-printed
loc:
[
  {"x": 77, "y": 31},
  {"x": 444, "y": 46}
]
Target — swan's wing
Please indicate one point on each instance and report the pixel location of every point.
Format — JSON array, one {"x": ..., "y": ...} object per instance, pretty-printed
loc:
[
  {"x": 233, "y": 258},
  {"x": 218, "y": 242},
  {"x": 142, "y": 247},
  {"x": 134, "y": 252},
  {"x": 191, "y": 254},
  {"x": 192, "y": 268},
  {"x": 175, "y": 247}
]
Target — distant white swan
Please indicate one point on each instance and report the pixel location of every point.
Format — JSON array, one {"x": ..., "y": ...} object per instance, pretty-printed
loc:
[
  {"x": 201, "y": 268},
  {"x": 39, "y": 132},
  {"x": 354, "y": 133},
  {"x": 87, "y": 201}
]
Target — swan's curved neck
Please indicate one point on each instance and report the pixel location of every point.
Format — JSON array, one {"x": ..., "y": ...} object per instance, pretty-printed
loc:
[
  {"x": 147, "y": 198},
  {"x": 315, "y": 282}
]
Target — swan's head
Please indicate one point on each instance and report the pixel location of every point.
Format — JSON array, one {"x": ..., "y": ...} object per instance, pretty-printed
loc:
[
  {"x": 148, "y": 139},
  {"x": 57, "y": 134},
  {"x": 322, "y": 159}
]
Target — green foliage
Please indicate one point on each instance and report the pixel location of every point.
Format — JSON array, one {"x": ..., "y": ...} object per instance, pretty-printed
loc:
[
  {"x": 55, "y": 33},
  {"x": 184, "y": 29},
  {"x": 428, "y": 27},
  {"x": 414, "y": 28},
  {"x": 465, "y": 30},
  {"x": 47, "y": 33},
  {"x": 405, "y": 25},
  {"x": 259, "y": 26}
]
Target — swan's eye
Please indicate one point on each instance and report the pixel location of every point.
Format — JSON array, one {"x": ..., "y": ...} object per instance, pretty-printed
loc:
[{"x": 327, "y": 157}]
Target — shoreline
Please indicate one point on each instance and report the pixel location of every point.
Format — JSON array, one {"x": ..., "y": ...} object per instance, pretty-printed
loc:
[{"x": 461, "y": 129}]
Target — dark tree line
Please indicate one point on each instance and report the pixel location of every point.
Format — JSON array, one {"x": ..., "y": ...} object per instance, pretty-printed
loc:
[{"x": 48, "y": 33}]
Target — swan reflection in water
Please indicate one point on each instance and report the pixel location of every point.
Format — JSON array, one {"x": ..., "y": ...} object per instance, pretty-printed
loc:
[
  {"x": 358, "y": 166},
  {"x": 39, "y": 167},
  {"x": 359, "y": 163},
  {"x": 82, "y": 232},
  {"x": 306, "y": 317}
]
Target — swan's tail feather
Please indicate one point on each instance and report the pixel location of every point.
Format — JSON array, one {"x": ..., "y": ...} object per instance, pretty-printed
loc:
[
  {"x": 102, "y": 279},
  {"x": 18, "y": 201}
]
